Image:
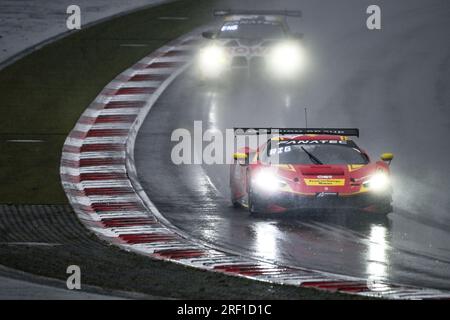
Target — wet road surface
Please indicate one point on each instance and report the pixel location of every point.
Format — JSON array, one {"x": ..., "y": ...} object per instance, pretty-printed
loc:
[{"x": 392, "y": 84}]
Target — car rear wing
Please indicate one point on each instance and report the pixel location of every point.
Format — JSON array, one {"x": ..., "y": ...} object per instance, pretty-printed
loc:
[
  {"x": 282, "y": 131},
  {"x": 286, "y": 13}
]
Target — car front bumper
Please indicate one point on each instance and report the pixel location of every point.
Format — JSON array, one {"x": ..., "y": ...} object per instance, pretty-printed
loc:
[{"x": 290, "y": 201}]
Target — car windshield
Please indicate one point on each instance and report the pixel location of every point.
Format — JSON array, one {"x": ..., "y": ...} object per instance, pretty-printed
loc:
[
  {"x": 239, "y": 30},
  {"x": 314, "y": 154}
]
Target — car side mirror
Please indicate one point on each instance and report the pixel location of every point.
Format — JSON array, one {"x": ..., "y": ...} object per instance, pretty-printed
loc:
[
  {"x": 387, "y": 157},
  {"x": 208, "y": 34},
  {"x": 241, "y": 157}
]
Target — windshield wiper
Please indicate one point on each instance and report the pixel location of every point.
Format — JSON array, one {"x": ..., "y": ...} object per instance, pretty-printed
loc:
[{"x": 312, "y": 157}]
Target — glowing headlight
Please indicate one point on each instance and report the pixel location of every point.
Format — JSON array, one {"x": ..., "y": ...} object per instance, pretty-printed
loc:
[
  {"x": 378, "y": 182},
  {"x": 267, "y": 180},
  {"x": 286, "y": 59},
  {"x": 212, "y": 61}
]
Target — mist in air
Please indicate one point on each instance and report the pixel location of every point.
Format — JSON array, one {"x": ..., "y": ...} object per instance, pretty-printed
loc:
[{"x": 393, "y": 84}]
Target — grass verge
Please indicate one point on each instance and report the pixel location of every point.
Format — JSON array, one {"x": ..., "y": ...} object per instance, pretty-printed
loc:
[{"x": 44, "y": 93}]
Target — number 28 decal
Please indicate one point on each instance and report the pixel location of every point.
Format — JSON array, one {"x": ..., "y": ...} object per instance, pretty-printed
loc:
[{"x": 279, "y": 150}]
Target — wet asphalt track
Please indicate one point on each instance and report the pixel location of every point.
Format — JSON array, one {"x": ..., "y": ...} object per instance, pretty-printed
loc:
[{"x": 393, "y": 84}]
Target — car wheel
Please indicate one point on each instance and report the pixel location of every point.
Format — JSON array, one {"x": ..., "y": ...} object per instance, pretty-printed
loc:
[
  {"x": 236, "y": 203},
  {"x": 254, "y": 204},
  {"x": 252, "y": 209},
  {"x": 384, "y": 208}
]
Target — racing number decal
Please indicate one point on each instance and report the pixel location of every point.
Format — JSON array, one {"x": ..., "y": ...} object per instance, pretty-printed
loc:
[{"x": 280, "y": 150}]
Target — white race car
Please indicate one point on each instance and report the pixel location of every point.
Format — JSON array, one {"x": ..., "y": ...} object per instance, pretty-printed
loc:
[{"x": 254, "y": 41}]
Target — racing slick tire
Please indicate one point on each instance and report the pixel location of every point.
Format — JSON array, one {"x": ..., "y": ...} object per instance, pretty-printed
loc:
[
  {"x": 383, "y": 206},
  {"x": 255, "y": 205},
  {"x": 235, "y": 203},
  {"x": 384, "y": 209}
]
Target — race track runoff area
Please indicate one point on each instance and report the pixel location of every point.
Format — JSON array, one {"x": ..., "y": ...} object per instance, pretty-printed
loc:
[{"x": 115, "y": 46}]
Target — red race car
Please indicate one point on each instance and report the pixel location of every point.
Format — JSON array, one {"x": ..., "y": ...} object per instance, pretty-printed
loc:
[{"x": 301, "y": 168}]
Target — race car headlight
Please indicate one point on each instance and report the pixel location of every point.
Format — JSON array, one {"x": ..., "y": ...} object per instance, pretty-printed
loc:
[
  {"x": 212, "y": 60},
  {"x": 286, "y": 59},
  {"x": 267, "y": 180},
  {"x": 380, "y": 181}
]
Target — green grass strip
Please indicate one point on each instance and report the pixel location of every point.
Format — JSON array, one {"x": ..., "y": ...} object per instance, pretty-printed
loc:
[{"x": 44, "y": 94}]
